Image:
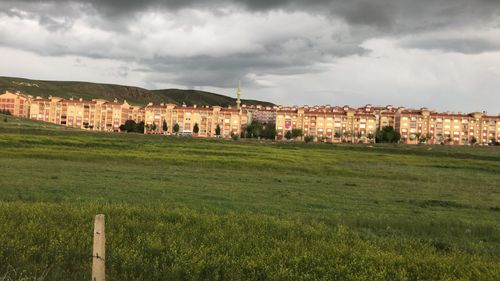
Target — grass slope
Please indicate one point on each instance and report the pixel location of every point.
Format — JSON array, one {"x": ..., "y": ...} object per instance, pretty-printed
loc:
[
  {"x": 200, "y": 209},
  {"x": 133, "y": 95}
]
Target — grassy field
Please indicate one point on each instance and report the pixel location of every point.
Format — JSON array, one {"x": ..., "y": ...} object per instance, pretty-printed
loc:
[{"x": 199, "y": 209}]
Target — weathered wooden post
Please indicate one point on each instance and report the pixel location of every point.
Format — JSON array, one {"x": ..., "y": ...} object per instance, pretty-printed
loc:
[{"x": 99, "y": 250}]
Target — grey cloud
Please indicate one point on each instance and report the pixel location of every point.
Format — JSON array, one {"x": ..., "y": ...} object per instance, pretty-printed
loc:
[
  {"x": 413, "y": 23},
  {"x": 223, "y": 72},
  {"x": 459, "y": 45},
  {"x": 53, "y": 24},
  {"x": 380, "y": 13}
]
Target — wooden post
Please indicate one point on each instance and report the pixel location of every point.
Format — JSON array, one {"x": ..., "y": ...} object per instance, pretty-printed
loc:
[{"x": 99, "y": 250}]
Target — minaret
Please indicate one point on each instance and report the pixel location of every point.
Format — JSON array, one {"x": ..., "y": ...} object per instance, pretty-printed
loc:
[{"x": 238, "y": 96}]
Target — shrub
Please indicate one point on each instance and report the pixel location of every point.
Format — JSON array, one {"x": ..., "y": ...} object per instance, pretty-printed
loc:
[
  {"x": 235, "y": 136},
  {"x": 139, "y": 128},
  {"x": 165, "y": 126},
  {"x": 387, "y": 135},
  {"x": 308, "y": 138},
  {"x": 5, "y": 112},
  {"x": 217, "y": 130},
  {"x": 296, "y": 133},
  {"x": 288, "y": 135}
]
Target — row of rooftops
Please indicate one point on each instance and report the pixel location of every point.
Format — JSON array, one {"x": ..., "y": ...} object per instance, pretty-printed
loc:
[
  {"x": 366, "y": 109},
  {"x": 381, "y": 110}
]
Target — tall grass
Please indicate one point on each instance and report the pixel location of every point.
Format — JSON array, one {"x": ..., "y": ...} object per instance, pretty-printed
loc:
[{"x": 191, "y": 209}]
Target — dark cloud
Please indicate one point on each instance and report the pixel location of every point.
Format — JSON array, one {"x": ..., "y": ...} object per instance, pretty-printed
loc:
[
  {"x": 53, "y": 24},
  {"x": 380, "y": 13},
  {"x": 459, "y": 45},
  {"x": 223, "y": 72}
]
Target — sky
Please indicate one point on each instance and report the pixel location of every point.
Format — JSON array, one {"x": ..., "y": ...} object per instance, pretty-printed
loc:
[{"x": 441, "y": 54}]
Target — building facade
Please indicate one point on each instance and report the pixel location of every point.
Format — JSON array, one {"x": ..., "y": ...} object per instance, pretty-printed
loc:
[
  {"x": 15, "y": 103},
  {"x": 326, "y": 123},
  {"x": 262, "y": 114},
  {"x": 418, "y": 126},
  {"x": 231, "y": 121}
]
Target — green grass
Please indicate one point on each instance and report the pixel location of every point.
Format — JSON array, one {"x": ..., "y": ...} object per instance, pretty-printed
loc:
[
  {"x": 134, "y": 95},
  {"x": 203, "y": 209}
]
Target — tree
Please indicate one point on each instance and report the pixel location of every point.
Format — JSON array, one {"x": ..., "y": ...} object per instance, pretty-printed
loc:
[
  {"x": 418, "y": 136},
  {"x": 473, "y": 140},
  {"x": 235, "y": 136},
  {"x": 139, "y": 128},
  {"x": 196, "y": 129},
  {"x": 308, "y": 138},
  {"x": 176, "y": 128},
  {"x": 370, "y": 136},
  {"x": 423, "y": 138},
  {"x": 288, "y": 135},
  {"x": 165, "y": 126},
  {"x": 153, "y": 127},
  {"x": 254, "y": 130},
  {"x": 348, "y": 134},
  {"x": 296, "y": 133},
  {"x": 129, "y": 126},
  {"x": 217, "y": 130},
  {"x": 387, "y": 135},
  {"x": 269, "y": 131}
]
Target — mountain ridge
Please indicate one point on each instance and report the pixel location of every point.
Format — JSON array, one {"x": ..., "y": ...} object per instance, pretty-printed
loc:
[{"x": 133, "y": 94}]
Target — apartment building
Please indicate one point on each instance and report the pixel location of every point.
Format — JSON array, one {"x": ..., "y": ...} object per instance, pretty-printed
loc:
[
  {"x": 230, "y": 120},
  {"x": 97, "y": 114},
  {"x": 15, "y": 103},
  {"x": 328, "y": 123},
  {"x": 262, "y": 114},
  {"x": 432, "y": 127}
]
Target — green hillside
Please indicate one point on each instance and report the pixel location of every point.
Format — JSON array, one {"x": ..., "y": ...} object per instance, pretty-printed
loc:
[{"x": 134, "y": 95}]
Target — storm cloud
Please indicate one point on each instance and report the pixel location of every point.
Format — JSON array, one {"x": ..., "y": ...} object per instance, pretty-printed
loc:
[{"x": 285, "y": 51}]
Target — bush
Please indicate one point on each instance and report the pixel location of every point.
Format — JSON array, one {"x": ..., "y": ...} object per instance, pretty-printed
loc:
[
  {"x": 5, "y": 112},
  {"x": 139, "y": 128},
  {"x": 387, "y": 135},
  {"x": 217, "y": 130},
  {"x": 165, "y": 126},
  {"x": 297, "y": 133},
  {"x": 235, "y": 136},
  {"x": 288, "y": 135}
]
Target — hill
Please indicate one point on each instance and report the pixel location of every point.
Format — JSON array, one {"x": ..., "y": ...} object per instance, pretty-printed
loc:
[{"x": 134, "y": 95}]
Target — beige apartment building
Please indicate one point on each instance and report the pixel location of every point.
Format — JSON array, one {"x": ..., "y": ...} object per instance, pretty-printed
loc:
[
  {"x": 422, "y": 125},
  {"x": 15, "y": 103},
  {"x": 328, "y": 123},
  {"x": 262, "y": 114},
  {"x": 230, "y": 120},
  {"x": 97, "y": 114}
]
